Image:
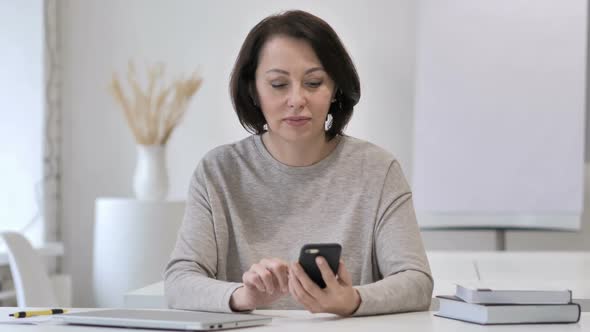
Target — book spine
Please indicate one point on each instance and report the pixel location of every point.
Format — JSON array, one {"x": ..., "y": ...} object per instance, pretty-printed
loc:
[{"x": 579, "y": 311}]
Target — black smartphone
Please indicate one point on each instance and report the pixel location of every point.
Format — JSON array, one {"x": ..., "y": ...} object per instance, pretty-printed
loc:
[{"x": 330, "y": 251}]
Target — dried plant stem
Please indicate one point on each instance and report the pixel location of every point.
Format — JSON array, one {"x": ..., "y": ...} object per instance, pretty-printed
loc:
[{"x": 152, "y": 115}]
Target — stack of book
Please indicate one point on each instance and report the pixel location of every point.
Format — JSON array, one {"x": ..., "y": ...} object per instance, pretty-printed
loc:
[{"x": 484, "y": 304}]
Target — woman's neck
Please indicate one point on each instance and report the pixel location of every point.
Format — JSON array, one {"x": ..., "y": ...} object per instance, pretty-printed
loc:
[{"x": 298, "y": 153}]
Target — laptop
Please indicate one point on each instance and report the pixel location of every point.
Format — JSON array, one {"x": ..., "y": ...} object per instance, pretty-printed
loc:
[{"x": 164, "y": 319}]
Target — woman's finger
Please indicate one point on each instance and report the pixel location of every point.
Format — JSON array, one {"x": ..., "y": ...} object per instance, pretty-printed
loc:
[
  {"x": 299, "y": 293},
  {"x": 280, "y": 270},
  {"x": 266, "y": 276},
  {"x": 343, "y": 274},
  {"x": 251, "y": 279},
  {"x": 326, "y": 271},
  {"x": 307, "y": 284}
]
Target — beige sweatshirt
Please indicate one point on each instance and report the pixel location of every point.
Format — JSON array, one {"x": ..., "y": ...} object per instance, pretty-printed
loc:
[{"x": 243, "y": 205}]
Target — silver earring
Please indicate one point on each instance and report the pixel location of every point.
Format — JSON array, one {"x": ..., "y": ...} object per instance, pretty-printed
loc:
[
  {"x": 328, "y": 123},
  {"x": 265, "y": 127}
]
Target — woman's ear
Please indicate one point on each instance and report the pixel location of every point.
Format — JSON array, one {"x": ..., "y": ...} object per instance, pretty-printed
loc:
[{"x": 334, "y": 93}]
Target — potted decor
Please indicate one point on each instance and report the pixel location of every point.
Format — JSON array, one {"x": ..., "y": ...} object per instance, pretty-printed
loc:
[{"x": 152, "y": 113}]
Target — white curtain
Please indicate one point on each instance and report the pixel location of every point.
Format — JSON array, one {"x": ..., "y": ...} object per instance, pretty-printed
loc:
[
  {"x": 21, "y": 111},
  {"x": 52, "y": 127},
  {"x": 30, "y": 126}
]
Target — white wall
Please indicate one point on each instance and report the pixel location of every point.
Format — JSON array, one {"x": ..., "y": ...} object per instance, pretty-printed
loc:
[
  {"x": 99, "y": 37},
  {"x": 98, "y": 150}
]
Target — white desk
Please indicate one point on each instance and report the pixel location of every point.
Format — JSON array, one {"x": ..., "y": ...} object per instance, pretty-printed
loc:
[
  {"x": 285, "y": 321},
  {"x": 537, "y": 269},
  {"x": 152, "y": 296}
]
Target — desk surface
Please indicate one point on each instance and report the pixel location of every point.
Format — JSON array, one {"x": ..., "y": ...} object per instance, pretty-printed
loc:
[
  {"x": 152, "y": 296},
  {"x": 285, "y": 321}
]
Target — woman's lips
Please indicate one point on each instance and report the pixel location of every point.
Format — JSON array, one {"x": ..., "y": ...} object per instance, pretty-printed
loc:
[{"x": 297, "y": 121}]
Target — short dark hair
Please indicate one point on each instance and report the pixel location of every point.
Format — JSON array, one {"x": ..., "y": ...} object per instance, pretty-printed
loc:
[{"x": 328, "y": 48}]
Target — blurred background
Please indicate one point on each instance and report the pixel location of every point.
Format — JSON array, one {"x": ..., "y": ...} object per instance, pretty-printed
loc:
[{"x": 64, "y": 140}]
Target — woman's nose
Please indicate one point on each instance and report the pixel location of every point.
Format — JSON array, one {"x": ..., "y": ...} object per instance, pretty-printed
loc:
[{"x": 297, "y": 99}]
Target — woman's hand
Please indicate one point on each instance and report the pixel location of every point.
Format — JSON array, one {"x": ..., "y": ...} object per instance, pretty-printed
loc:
[
  {"x": 339, "y": 297},
  {"x": 264, "y": 283}
]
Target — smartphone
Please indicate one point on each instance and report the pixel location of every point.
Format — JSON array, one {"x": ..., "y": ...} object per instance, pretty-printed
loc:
[{"x": 330, "y": 251}]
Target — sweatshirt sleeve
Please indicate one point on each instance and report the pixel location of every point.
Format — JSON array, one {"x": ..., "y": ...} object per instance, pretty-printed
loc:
[
  {"x": 190, "y": 276},
  {"x": 406, "y": 283}
]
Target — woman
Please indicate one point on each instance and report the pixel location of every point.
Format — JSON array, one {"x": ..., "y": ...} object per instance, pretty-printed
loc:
[{"x": 253, "y": 204}]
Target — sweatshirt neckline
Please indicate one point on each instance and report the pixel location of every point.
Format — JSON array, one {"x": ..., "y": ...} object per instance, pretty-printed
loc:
[{"x": 326, "y": 161}]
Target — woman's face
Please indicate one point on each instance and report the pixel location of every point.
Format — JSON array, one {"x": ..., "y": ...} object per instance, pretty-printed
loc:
[{"x": 293, "y": 90}]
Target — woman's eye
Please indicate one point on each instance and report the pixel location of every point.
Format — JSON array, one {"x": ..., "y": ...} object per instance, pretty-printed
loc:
[
  {"x": 314, "y": 84},
  {"x": 278, "y": 85}
]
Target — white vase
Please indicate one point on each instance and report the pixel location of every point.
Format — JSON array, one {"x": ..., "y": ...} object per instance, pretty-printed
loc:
[{"x": 150, "y": 181}]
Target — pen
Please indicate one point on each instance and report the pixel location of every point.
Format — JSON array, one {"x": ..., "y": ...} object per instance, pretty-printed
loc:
[{"x": 23, "y": 314}]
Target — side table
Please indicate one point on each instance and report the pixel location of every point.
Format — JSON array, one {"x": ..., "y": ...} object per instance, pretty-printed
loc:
[{"x": 133, "y": 240}]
